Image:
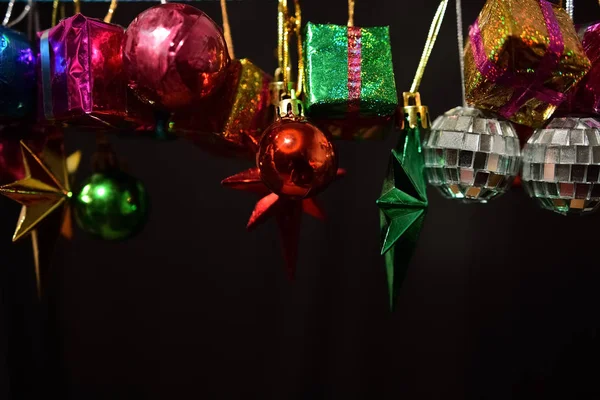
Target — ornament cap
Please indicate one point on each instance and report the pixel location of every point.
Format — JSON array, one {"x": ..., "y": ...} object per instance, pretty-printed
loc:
[
  {"x": 413, "y": 109},
  {"x": 290, "y": 107}
]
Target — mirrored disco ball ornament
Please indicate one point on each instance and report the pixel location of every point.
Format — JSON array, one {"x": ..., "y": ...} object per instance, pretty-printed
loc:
[
  {"x": 561, "y": 165},
  {"x": 471, "y": 155}
]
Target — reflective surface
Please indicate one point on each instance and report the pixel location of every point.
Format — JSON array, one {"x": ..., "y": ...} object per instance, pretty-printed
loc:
[
  {"x": 111, "y": 205},
  {"x": 174, "y": 54},
  {"x": 296, "y": 159},
  {"x": 561, "y": 165},
  {"x": 470, "y": 155},
  {"x": 17, "y": 75}
]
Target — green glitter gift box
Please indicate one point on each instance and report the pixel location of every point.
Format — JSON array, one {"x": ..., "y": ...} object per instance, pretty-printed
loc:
[{"x": 350, "y": 86}]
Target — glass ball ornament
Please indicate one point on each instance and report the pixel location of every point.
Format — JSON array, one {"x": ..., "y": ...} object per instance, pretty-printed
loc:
[
  {"x": 561, "y": 165},
  {"x": 471, "y": 155},
  {"x": 174, "y": 54},
  {"x": 296, "y": 159},
  {"x": 111, "y": 205}
]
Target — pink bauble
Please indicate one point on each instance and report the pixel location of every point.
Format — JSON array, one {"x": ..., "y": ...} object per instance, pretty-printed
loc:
[{"x": 174, "y": 54}]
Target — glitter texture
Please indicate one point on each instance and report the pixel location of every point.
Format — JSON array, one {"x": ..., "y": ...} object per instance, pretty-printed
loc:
[
  {"x": 349, "y": 74},
  {"x": 561, "y": 166},
  {"x": 231, "y": 121},
  {"x": 531, "y": 57},
  {"x": 585, "y": 99},
  {"x": 470, "y": 155}
]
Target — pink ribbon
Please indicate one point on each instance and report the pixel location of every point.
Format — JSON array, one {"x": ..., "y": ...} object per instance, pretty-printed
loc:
[
  {"x": 354, "y": 69},
  {"x": 524, "y": 89}
]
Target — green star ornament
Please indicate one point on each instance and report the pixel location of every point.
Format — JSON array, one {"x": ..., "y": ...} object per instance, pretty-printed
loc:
[{"x": 403, "y": 202}]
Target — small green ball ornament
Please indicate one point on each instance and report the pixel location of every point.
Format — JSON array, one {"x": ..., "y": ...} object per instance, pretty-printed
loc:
[{"x": 111, "y": 205}]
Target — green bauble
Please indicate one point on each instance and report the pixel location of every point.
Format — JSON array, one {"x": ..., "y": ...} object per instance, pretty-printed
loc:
[{"x": 111, "y": 205}]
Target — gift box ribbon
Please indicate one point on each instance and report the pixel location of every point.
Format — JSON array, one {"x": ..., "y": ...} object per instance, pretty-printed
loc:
[
  {"x": 354, "y": 69},
  {"x": 46, "y": 75},
  {"x": 525, "y": 89}
]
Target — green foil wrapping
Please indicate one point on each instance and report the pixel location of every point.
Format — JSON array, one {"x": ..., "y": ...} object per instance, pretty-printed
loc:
[{"x": 349, "y": 73}]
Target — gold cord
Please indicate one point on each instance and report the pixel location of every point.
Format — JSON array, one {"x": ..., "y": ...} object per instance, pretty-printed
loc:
[
  {"x": 288, "y": 25},
  {"x": 54, "y": 11},
  {"x": 227, "y": 29},
  {"x": 351, "y": 12},
  {"x": 77, "y": 5},
  {"x": 111, "y": 11},
  {"x": 433, "y": 33}
]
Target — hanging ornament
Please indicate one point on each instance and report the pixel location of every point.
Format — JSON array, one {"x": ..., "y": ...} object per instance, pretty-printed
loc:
[
  {"x": 81, "y": 80},
  {"x": 43, "y": 192},
  {"x": 522, "y": 57},
  {"x": 231, "y": 121},
  {"x": 174, "y": 54},
  {"x": 470, "y": 155},
  {"x": 111, "y": 205},
  {"x": 350, "y": 85},
  {"x": 403, "y": 202},
  {"x": 295, "y": 160},
  {"x": 561, "y": 165},
  {"x": 17, "y": 75}
]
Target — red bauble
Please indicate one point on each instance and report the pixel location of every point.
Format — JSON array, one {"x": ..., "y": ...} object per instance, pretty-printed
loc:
[
  {"x": 174, "y": 54},
  {"x": 295, "y": 159}
]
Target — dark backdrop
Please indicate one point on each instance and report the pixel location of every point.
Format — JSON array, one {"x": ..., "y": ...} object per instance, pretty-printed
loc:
[{"x": 500, "y": 301}]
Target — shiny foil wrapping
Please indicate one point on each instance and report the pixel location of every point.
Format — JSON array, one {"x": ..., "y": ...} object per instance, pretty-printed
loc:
[
  {"x": 231, "y": 121},
  {"x": 561, "y": 166},
  {"x": 17, "y": 75},
  {"x": 521, "y": 59},
  {"x": 585, "y": 99},
  {"x": 349, "y": 76},
  {"x": 81, "y": 80}
]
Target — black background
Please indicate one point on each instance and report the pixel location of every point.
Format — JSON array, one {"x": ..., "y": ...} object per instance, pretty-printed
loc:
[{"x": 500, "y": 302}]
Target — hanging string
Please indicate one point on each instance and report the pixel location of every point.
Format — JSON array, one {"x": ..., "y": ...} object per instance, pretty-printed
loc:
[
  {"x": 227, "y": 29},
  {"x": 21, "y": 16},
  {"x": 54, "y": 12},
  {"x": 111, "y": 11},
  {"x": 461, "y": 49},
  {"x": 350, "y": 13},
  {"x": 77, "y": 5},
  {"x": 433, "y": 33},
  {"x": 298, "y": 32}
]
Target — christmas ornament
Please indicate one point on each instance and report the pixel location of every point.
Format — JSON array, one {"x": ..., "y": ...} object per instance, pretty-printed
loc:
[
  {"x": 561, "y": 165},
  {"x": 81, "y": 80},
  {"x": 471, "y": 155},
  {"x": 43, "y": 192},
  {"x": 174, "y": 54},
  {"x": 403, "y": 202},
  {"x": 522, "y": 57},
  {"x": 350, "y": 86},
  {"x": 295, "y": 158},
  {"x": 11, "y": 157},
  {"x": 232, "y": 120},
  {"x": 111, "y": 205},
  {"x": 17, "y": 75}
]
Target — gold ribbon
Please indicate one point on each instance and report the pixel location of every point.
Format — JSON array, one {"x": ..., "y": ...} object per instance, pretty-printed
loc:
[
  {"x": 351, "y": 13},
  {"x": 77, "y": 10},
  {"x": 431, "y": 37},
  {"x": 288, "y": 25},
  {"x": 227, "y": 29}
]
